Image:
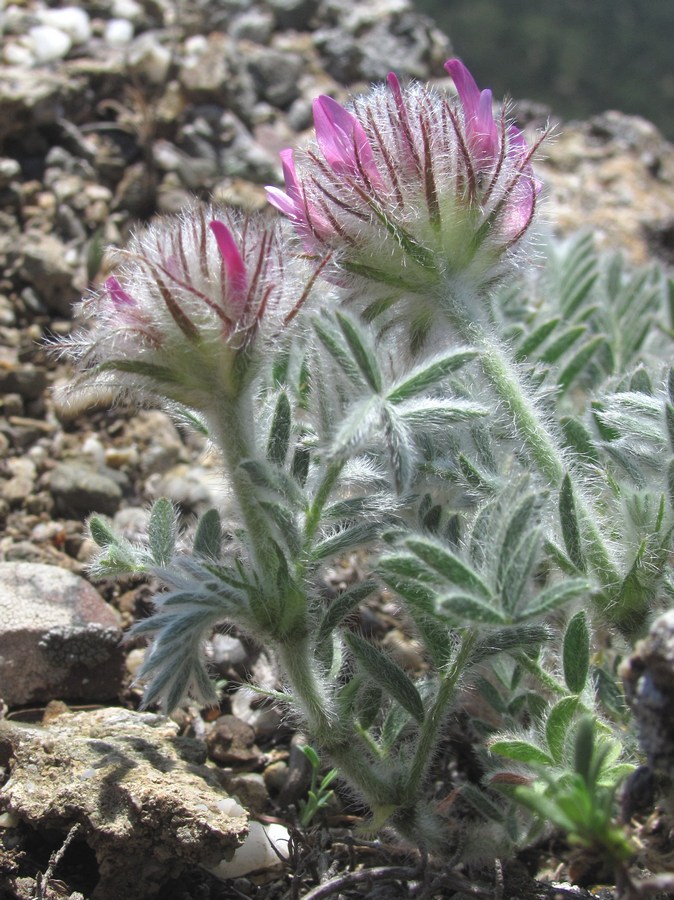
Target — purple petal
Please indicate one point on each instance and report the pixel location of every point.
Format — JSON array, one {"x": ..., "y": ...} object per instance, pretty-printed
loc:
[
  {"x": 468, "y": 91},
  {"x": 281, "y": 201},
  {"x": 237, "y": 279},
  {"x": 288, "y": 202},
  {"x": 343, "y": 141},
  {"x": 478, "y": 114},
  {"x": 118, "y": 295}
]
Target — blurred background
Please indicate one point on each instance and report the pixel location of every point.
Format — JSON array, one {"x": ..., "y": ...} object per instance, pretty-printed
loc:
[{"x": 579, "y": 56}]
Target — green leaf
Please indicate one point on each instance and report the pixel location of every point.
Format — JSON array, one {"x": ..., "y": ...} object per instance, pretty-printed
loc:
[
  {"x": 357, "y": 427},
  {"x": 669, "y": 422},
  {"x": 563, "y": 343},
  {"x": 429, "y": 373},
  {"x": 279, "y": 435},
  {"x": 362, "y": 352},
  {"x": 461, "y": 608},
  {"x": 536, "y": 338},
  {"x": 399, "y": 448},
  {"x": 339, "y": 608},
  {"x": 102, "y": 532},
  {"x": 520, "y": 569},
  {"x": 556, "y": 596},
  {"x": 579, "y": 288},
  {"x": 300, "y": 465},
  {"x": 436, "y": 412},
  {"x": 578, "y": 362},
  {"x": 285, "y": 522},
  {"x": 140, "y": 367},
  {"x": 395, "y": 722},
  {"x": 579, "y": 438},
  {"x": 345, "y": 539},
  {"x": 369, "y": 704},
  {"x": 311, "y": 756},
  {"x": 336, "y": 349},
  {"x": 576, "y": 653},
  {"x": 609, "y": 693},
  {"x": 641, "y": 382},
  {"x": 387, "y": 674},
  {"x": 544, "y": 807},
  {"x": 208, "y": 537},
  {"x": 273, "y": 479},
  {"x": 162, "y": 531},
  {"x": 511, "y": 639},
  {"x": 584, "y": 749},
  {"x": 570, "y": 525},
  {"x": 557, "y": 726},
  {"x": 449, "y": 565},
  {"x": 521, "y": 751}
]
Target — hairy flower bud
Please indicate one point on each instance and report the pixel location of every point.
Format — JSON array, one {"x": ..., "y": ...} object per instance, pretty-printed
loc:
[
  {"x": 416, "y": 190},
  {"x": 189, "y": 307}
]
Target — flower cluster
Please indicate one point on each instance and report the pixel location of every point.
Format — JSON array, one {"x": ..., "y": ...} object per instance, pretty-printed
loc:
[
  {"x": 411, "y": 187},
  {"x": 183, "y": 315}
]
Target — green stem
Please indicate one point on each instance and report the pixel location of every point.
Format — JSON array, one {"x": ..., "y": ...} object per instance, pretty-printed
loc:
[
  {"x": 539, "y": 436},
  {"x": 504, "y": 378},
  {"x": 335, "y": 737},
  {"x": 230, "y": 428},
  {"x": 436, "y": 716},
  {"x": 545, "y": 679}
]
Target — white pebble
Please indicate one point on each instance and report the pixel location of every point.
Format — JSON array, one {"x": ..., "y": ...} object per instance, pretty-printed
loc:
[
  {"x": 19, "y": 53},
  {"x": 49, "y": 43},
  {"x": 256, "y": 852},
  {"x": 71, "y": 20},
  {"x": 229, "y": 807},
  {"x": 94, "y": 448},
  {"x": 118, "y": 32},
  {"x": 149, "y": 58},
  {"x": 127, "y": 9}
]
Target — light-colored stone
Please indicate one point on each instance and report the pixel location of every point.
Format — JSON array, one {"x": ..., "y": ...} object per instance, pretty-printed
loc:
[
  {"x": 144, "y": 801},
  {"x": 58, "y": 638}
]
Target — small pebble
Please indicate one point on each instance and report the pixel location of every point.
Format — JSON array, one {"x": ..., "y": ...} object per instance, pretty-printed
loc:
[
  {"x": 49, "y": 43},
  {"x": 118, "y": 32}
]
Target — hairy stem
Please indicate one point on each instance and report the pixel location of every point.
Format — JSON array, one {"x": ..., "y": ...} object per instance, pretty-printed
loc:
[
  {"x": 336, "y": 738},
  {"x": 538, "y": 435},
  {"x": 436, "y": 716},
  {"x": 231, "y": 427}
]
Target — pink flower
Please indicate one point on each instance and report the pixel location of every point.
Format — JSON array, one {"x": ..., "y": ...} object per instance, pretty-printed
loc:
[
  {"x": 190, "y": 305},
  {"x": 412, "y": 188}
]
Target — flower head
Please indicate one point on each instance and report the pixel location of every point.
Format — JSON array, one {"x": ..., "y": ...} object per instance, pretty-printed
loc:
[
  {"x": 190, "y": 305},
  {"x": 412, "y": 188}
]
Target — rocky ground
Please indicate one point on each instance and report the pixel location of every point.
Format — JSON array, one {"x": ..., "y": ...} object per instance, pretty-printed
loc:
[{"x": 111, "y": 112}]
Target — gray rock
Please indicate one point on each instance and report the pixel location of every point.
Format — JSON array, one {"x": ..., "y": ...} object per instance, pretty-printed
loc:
[
  {"x": 46, "y": 263},
  {"x": 205, "y": 71},
  {"x": 26, "y": 380},
  {"x": 58, "y": 638},
  {"x": 648, "y": 676},
  {"x": 30, "y": 97},
  {"x": 294, "y": 13},
  {"x": 141, "y": 796},
  {"x": 231, "y": 742},
  {"x": 78, "y": 490},
  {"x": 253, "y": 25},
  {"x": 276, "y": 74}
]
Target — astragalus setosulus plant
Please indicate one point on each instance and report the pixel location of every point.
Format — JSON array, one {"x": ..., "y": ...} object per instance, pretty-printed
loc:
[{"x": 386, "y": 369}]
